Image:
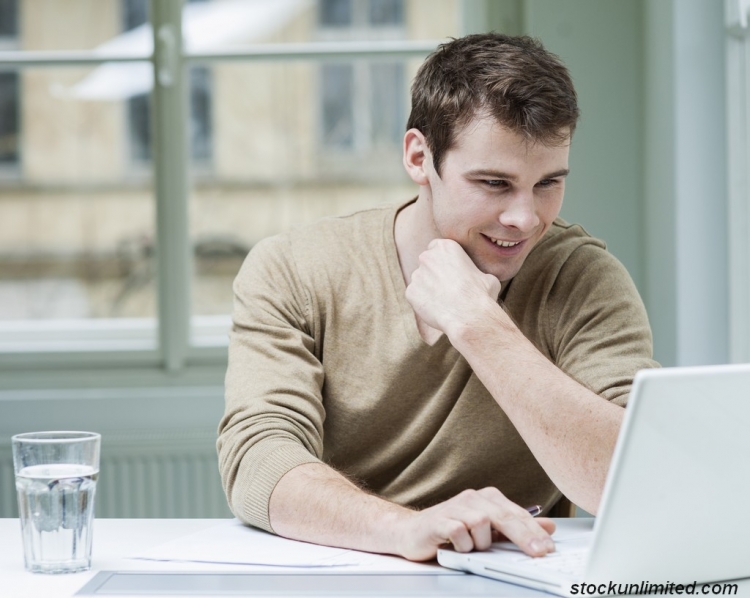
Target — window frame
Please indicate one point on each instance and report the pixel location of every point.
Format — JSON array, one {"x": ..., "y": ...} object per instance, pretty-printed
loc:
[
  {"x": 738, "y": 131},
  {"x": 176, "y": 347}
]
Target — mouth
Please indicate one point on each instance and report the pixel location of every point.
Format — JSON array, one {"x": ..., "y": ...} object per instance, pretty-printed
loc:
[{"x": 504, "y": 246}]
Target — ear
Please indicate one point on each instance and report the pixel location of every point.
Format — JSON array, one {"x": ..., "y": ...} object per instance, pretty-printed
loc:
[{"x": 417, "y": 156}]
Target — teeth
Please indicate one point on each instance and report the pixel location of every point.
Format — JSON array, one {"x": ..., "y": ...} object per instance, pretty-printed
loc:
[{"x": 506, "y": 243}]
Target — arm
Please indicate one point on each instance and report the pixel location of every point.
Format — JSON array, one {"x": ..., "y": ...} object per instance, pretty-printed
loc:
[
  {"x": 271, "y": 439},
  {"x": 316, "y": 504},
  {"x": 570, "y": 429}
]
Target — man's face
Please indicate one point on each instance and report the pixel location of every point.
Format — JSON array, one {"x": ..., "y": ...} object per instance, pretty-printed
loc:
[{"x": 497, "y": 194}]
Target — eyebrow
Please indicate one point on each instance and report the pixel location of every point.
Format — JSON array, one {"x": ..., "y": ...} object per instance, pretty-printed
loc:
[{"x": 496, "y": 174}]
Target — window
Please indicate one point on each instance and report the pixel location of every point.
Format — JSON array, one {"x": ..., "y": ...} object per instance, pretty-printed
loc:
[
  {"x": 9, "y": 86},
  {"x": 336, "y": 13},
  {"x": 362, "y": 105},
  {"x": 9, "y": 122},
  {"x": 79, "y": 264},
  {"x": 8, "y": 19},
  {"x": 135, "y": 14},
  {"x": 338, "y": 105},
  {"x": 358, "y": 13},
  {"x": 738, "y": 104}
]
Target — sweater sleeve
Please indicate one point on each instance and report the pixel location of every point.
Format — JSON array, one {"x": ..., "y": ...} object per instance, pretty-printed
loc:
[
  {"x": 273, "y": 418},
  {"x": 601, "y": 335}
]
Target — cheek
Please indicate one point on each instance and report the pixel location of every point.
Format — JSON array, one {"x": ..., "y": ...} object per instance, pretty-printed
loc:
[
  {"x": 550, "y": 208},
  {"x": 458, "y": 210}
]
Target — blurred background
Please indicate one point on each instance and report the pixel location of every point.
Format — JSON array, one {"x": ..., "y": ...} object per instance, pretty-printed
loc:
[{"x": 131, "y": 193}]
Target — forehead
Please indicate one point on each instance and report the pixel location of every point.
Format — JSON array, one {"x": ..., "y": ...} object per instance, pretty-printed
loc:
[{"x": 486, "y": 140}]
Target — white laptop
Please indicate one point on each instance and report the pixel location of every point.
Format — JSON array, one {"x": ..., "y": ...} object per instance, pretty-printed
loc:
[{"x": 674, "y": 508}]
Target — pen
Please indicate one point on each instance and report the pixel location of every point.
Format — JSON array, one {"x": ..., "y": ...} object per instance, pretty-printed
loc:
[{"x": 535, "y": 510}]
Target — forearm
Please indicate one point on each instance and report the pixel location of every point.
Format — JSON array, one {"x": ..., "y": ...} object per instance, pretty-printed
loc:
[
  {"x": 571, "y": 430},
  {"x": 314, "y": 503}
]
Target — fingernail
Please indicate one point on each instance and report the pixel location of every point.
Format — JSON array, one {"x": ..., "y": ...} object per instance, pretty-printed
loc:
[{"x": 537, "y": 546}]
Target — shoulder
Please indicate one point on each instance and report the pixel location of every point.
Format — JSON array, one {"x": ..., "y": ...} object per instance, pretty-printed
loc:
[
  {"x": 565, "y": 250},
  {"x": 318, "y": 253},
  {"x": 562, "y": 241},
  {"x": 569, "y": 272},
  {"x": 323, "y": 238},
  {"x": 357, "y": 233}
]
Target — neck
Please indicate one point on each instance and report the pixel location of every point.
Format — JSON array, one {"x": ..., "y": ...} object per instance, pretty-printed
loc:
[{"x": 413, "y": 232}]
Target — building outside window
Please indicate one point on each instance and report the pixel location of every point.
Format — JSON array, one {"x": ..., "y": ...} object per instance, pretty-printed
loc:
[
  {"x": 135, "y": 14},
  {"x": 9, "y": 108},
  {"x": 362, "y": 103},
  {"x": 287, "y": 140}
]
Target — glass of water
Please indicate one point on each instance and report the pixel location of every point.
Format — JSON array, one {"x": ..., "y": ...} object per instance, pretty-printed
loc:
[{"x": 56, "y": 475}]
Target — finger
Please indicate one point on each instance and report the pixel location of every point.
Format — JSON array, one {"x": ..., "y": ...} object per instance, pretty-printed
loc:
[
  {"x": 529, "y": 536},
  {"x": 547, "y": 524},
  {"x": 516, "y": 524},
  {"x": 455, "y": 532},
  {"x": 478, "y": 523},
  {"x": 493, "y": 285},
  {"x": 482, "y": 536}
]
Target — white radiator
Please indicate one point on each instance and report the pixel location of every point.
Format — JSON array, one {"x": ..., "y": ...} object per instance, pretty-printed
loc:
[
  {"x": 147, "y": 475},
  {"x": 158, "y": 446}
]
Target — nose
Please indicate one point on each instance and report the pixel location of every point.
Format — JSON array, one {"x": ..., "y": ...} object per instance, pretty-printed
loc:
[{"x": 519, "y": 212}]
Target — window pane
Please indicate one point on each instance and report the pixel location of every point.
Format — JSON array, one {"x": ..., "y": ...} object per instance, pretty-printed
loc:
[
  {"x": 223, "y": 24},
  {"x": 70, "y": 25},
  {"x": 337, "y": 105},
  {"x": 274, "y": 170},
  {"x": 388, "y": 87},
  {"x": 134, "y": 13},
  {"x": 8, "y": 118},
  {"x": 335, "y": 13},
  {"x": 77, "y": 223},
  {"x": 8, "y": 18},
  {"x": 386, "y": 12},
  {"x": 200, "y": 126},
  {"x": 139, "y": 128}
]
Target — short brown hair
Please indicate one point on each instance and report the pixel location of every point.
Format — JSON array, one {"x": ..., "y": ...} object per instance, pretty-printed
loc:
[{"x": 514, "y": 79}]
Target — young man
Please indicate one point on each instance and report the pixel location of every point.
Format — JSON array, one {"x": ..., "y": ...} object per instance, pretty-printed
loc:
[{"x": 405, "y": 377}]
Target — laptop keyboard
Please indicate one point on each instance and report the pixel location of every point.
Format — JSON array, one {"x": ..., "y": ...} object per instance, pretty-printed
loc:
[{"x": 569, "y": 562}]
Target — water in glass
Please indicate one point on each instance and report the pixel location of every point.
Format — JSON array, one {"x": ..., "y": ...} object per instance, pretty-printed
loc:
[{"x": 56, "y": 508}]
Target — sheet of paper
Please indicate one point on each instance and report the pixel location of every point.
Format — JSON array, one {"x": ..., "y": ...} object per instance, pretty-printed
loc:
[{"x": 233, "y": 543}]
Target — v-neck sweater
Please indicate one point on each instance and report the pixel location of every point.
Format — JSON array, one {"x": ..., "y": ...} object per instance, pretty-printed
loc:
[{"x": 326, "y": 364}]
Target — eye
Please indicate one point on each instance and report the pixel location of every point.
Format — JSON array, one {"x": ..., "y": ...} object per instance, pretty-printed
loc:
[
  {"x": 547, "y": 183},
  {"x": 495, "y": 182}
]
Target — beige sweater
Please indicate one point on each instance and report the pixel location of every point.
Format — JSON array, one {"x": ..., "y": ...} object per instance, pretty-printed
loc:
[{"x": 326, "y": 364}]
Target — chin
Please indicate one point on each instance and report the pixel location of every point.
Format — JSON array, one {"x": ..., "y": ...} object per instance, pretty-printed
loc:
[{"x": 503, "y": 274}]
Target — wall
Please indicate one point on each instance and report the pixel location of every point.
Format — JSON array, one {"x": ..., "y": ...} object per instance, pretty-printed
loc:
[
  {"x": 601, "y": 43},
  {"x": 686, "y": 181},
  {"x": 648, "y": 161}
]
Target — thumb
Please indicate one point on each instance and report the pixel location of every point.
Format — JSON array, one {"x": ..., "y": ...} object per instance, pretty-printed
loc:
[{"x": 493, "y": 286}]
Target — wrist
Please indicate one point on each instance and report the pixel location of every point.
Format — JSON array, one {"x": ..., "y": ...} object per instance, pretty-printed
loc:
[
  {"x": 477, "y": 322},
  {"x": 394, "y": 526}
]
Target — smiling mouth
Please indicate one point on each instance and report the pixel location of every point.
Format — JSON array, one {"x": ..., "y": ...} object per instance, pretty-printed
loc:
[{"x": 501, "y": 243}]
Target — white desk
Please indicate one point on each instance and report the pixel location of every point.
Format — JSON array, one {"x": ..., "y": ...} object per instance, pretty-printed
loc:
[
  {"x": 114, "y": 541},
  {"x": 117, "y": 539}
]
